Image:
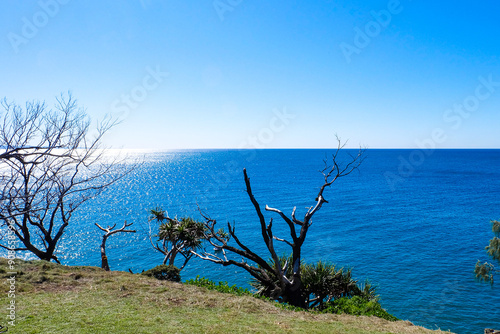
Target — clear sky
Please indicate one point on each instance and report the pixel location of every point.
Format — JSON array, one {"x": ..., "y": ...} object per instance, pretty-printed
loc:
[{"x": 275, "y": 74}]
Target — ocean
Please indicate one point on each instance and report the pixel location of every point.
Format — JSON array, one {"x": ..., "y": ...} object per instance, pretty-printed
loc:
[{"x": 412, "y": 222}]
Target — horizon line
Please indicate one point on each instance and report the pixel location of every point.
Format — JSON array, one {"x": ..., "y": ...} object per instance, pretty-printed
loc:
[{"x": 301, "y": 148}]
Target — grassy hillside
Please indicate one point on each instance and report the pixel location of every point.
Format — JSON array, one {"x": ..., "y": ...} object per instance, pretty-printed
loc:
[{"x": 51, "y": 298}]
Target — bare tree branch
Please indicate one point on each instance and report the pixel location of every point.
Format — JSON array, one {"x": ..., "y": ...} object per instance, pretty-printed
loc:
[
  {"x": 109, "y": 232},
  {"x": 50, "y": 164},
  {"x": 273, "y": 276}
]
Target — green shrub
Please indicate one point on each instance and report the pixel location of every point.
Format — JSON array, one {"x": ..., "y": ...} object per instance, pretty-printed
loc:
[
  {"x": 165, "y": 273},
  {"x": 357, "y": 306},
  {"x": 485, "y": 271},
  {"x": 221, "y": 286}
]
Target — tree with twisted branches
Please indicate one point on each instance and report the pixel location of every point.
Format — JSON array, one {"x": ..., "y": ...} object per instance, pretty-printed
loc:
[
  {"x": 288, "y": 285},
  {"x": 110, "y": 230},
  {"x": 176, "y": 236},
  {"x": 50, "y": 165}
]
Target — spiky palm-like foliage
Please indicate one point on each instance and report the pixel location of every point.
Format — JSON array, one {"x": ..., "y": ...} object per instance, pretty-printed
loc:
[
  {"x": 267, "y": 290},
  {"x": 176, "y": 236},
  {"x": 322, "y": 282}
]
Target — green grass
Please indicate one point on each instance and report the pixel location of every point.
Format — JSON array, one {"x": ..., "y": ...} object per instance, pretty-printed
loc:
[{"x": 61, "y": 299}]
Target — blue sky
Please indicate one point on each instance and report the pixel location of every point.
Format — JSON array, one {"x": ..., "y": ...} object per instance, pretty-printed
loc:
[{"x": 269, "y": 74}]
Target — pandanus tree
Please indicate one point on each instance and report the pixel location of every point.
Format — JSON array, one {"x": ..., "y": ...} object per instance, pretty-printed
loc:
[
  {"x": 176, "y": 236},
  {"x": 284, "y": 281}
]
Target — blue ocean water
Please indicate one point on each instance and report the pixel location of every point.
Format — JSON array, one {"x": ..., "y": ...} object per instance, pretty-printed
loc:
[{"x": 412, "y": 222}]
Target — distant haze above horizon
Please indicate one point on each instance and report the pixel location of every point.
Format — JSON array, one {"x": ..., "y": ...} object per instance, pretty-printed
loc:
[{"x": 255, "y": 74}]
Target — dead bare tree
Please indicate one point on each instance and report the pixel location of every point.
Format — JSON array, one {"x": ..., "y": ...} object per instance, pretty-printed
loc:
[
  {"x": 285, "y": 288},
  {"x": 109, "y": 232},
  {"x": 50, "y": 164}
]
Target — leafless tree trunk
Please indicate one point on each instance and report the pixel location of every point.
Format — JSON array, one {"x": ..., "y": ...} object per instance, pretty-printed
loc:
[
  {"x": 288, "y": 289},
  {"x": 109, "y": 232},
  {"x": 49, "y": 165}
]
